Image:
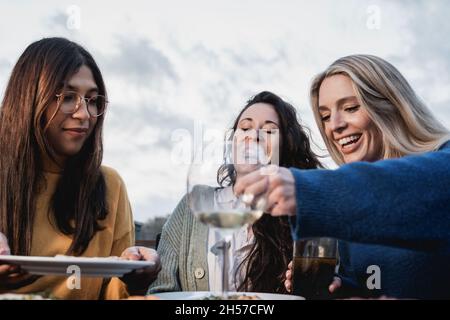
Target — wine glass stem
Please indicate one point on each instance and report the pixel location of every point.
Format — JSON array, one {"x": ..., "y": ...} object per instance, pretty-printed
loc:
[{"x": 224, "y": 270}]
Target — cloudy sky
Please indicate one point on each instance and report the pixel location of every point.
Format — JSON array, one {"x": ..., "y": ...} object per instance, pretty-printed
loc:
[{"x": 171, "y": 64}]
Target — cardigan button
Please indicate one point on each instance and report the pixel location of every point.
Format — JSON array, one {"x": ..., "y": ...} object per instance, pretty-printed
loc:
[{"x": 199, "y": 273}]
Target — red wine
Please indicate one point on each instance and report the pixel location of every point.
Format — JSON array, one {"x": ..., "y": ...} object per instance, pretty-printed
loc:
[{"x": 313, "y": 276}]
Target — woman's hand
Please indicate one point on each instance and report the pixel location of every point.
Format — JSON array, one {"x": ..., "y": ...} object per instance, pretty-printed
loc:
[
  {"x": 334, "y": 286},
  {"x": 278, "y": 182},
  {"x": 139, "y": 280},
  {"x": 11, "y": 276},
  {"x": 4, "y": 247},
  {"x": 288, "y": 281}
]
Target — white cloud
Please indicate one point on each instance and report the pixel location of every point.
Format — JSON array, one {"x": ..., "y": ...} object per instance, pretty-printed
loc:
[{"x": 168, "y": 63}]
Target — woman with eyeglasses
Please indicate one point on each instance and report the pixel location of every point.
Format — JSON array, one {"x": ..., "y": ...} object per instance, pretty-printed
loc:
[{"x": 55, "y": 196}]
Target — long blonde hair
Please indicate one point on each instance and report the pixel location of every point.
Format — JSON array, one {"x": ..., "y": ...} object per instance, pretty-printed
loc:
[{"x": 406, "y": 124}]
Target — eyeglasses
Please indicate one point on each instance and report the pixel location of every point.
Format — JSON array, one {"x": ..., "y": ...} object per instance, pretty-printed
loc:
[{"x": 70, "y": 101}]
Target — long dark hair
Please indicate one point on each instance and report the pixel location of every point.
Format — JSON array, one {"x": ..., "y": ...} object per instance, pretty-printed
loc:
[
  {"x": 79, "y": 200},
  {"x": 271, "y": 252}
]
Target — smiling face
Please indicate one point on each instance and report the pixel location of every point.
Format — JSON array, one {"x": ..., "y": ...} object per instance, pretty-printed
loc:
[
  {"x": 256, "y": 138},
  {"x": 346, "y": 123},
  {"x": 67, "y": 133}
]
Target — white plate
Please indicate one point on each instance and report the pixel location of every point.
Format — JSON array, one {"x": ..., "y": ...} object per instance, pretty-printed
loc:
[
  {"x": 16, "y": 296},
  {"x": 89, "y": 267},
  {"x": 200, "y": 295}
]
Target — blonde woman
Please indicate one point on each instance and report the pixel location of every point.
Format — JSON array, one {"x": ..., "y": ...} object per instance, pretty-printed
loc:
[{"x": 389, "y": 201}]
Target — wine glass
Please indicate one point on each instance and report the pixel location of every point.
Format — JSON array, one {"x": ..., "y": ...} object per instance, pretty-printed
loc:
[{"x": 210, "y": 196}]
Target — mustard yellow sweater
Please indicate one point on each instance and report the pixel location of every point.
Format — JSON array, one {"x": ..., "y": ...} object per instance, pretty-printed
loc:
[{"x": 116, "y": 237}]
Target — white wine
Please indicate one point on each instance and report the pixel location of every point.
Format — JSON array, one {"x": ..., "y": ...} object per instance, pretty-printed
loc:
[{"x": 229, "y": 219}]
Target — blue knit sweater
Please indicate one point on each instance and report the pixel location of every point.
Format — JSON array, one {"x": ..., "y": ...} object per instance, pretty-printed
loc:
[{"x": 392, "y": 213}]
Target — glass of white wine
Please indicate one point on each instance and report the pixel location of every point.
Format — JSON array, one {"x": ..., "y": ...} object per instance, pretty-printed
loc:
[{"x": 213, "y": 202}]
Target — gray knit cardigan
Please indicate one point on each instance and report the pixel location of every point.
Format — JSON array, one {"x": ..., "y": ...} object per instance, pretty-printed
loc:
[{"x": 183, "y": 249}]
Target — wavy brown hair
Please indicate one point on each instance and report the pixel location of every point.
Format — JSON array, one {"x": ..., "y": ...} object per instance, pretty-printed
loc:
[
  {"x": 78, "y": 203},
  {"x": 267, "y": 262}
]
